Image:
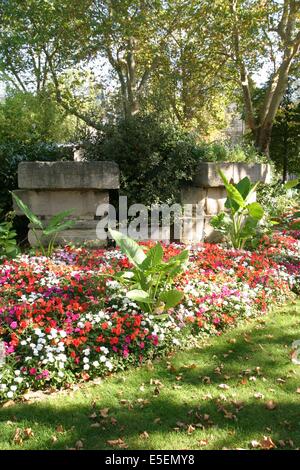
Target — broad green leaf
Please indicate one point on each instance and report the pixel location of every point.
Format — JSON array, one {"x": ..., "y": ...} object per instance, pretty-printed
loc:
[
  {"x": 243, "y": 187},
  {"x": 291, "y": 184},
  {"x": 127, "y": 274},
  {"x": 58, "y": 228},
  {"x": 29, "y": 214},
  {"x": 58, "y": 218},
  {"x": 255, "y": 210},
  {"x": 130, "y": 248},
  {"x": 249, "y": 228},
  {"x": 139, "y": 295},
  {"x": 153, "y": 257},
  {"x": 171, "y": 298},
  {"x": 234, "y": 195}
]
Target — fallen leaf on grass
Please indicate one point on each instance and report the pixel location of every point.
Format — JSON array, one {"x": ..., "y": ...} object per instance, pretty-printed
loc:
[
  {"x": 117, "y": 443},
  {"x": 206, "y": 380},
  {"x": 53, "y": 439},
  {"x": 267, "y": 443},
  {"x": 255, "y": 444},
  {"x": 28, "y": 433},
  {"x": 203, "y": 442},
  {"x": 144, "y": 435},
  {"x": 59, "y": 428},
  {"x": 258, "y": 395},
  {"x": 104, "y": 412},
  {"x": 93, "y": 416},
  {"x": 95, "y": 425},
  {"x": 190, "y": 429},
  {"x": 224, "y": 386},
  {"x": 8, "y": 403},
  {"x": 190, "y": 366},
  {"x": 271, "y": 405},
  {"x": 18, "y": 437},
  {"x": 79, "y": 445}
]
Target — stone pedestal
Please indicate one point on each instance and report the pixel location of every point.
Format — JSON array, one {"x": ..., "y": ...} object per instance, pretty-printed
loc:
[
  {"x": 207, "y": 195},
  {"x": 52, "y": 187}
]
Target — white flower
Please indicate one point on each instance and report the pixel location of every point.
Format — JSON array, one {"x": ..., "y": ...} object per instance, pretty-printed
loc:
[
  {"x": 86, "y": 367},
  {"x": 86, "y": 360},
  {"x": 53, "y": 332},
  {"x": 17, "y": 372},
  {"x": 13, "y": 388},
  {"x": 86, "y": 352},
  {"x": 96, "y": 364},
  {"x": 10, "y": 394},
  {"x": 60, "y": 374},
  {"x": 109, "y": 365},
  {"x": 63, "y": 334},
  {"x": 102, "y": 358}
]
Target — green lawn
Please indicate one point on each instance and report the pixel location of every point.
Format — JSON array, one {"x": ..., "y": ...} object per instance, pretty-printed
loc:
[{"x": 227, "y": 393}]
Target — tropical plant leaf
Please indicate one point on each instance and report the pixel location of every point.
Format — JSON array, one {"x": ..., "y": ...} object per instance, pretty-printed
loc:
[
  {"x": 29, "y": 214},
  {"x": 291, "y": 184},
  {"x": 58, "y": 228},
  {"x": 244, "y": 187},
  {"x": 139, "y": 295},
  {"x": 233, "y": 194},
  {"x": 130, "y": 248},
  {"x": 171, "y": 298},
  {"x": 58, "y": 218},
  {"x": 153, "y": 257},
  {"x": 256, "y": 210}
]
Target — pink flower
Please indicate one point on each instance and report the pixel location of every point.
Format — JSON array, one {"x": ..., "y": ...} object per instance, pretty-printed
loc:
[
  {"x": 14, "y": 325},
  {"x": 32, "y": 371}
]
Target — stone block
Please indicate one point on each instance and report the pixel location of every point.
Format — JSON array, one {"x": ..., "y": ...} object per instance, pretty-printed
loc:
[
  {"x": 193, "y": 195},
  {"x": 68, "y": 175},
  {"x": 48, "y": 203},
  {"x": 76, "y": 236},
  {"x": 207, "y": 173},
  {"x": 215, "y": 200}
]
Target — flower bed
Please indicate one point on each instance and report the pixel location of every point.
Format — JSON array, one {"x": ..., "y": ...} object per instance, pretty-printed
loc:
[{"x": 62, "y": 321}]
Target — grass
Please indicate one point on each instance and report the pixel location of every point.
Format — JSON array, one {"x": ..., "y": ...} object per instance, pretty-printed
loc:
[{"x": 181, "y": 402}]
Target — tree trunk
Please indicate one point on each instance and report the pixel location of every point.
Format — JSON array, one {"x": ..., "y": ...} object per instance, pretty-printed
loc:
[{"x": 263, "y": 139}]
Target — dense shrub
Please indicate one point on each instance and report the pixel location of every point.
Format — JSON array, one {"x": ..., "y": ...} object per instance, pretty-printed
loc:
[{"x": 154, "y": 158}]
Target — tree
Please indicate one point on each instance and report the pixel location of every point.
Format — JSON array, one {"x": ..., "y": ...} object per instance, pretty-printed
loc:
[
  {"x": 264, "y": 32},
  {"x": 285, "y": 142}
]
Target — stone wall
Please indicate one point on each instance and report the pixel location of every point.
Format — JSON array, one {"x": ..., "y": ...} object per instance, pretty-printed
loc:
[
  {"x": 207, "y": 195},
  {"x": 52, "y": 187}
]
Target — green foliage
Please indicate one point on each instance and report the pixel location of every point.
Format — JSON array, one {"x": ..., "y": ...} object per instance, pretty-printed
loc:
[
  {"x": 28, "y": 118},
  {"x": 154, "y": 158},
  {"x": 56, "y": 224},
  {"x": 285, "y": 142},
  {"x": 226, "y": 152},
  {"x": 149, "y": 281},
  {"x": 278, "y": 199},
  {"x": 241, "y": 221},
  {"x": 8, "y": 242}
]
